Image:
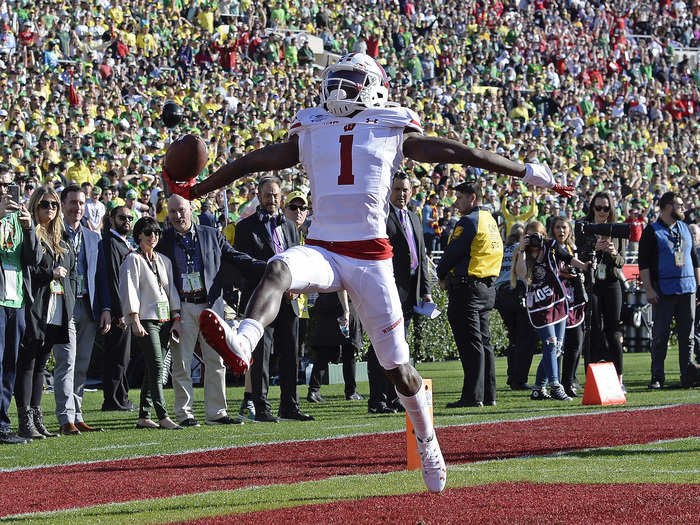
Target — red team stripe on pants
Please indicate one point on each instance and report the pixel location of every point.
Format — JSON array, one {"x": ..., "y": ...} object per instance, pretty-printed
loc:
[{"x": 367, "y": 250}]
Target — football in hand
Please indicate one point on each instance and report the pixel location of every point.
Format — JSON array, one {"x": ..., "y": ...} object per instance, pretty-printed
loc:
[{"x": 186, "y": 158}]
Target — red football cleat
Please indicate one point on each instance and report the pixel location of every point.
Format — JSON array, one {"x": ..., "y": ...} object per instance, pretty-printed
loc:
[{"x": 228, "y": 344}]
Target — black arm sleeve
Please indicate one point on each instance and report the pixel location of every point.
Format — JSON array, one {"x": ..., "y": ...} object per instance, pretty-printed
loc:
[
  {"x": 648, "y": 249},
  {"x": 249, "y": 266}
]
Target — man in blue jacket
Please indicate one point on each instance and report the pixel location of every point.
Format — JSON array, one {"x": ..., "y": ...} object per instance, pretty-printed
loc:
[{"x": 670, "y": 270}]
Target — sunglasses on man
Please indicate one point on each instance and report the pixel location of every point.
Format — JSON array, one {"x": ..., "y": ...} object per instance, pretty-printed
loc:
[{"x": 295, "y": 207}]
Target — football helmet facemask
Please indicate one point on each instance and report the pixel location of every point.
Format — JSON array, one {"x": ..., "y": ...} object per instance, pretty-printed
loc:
[{"x": 355, "y": 82}]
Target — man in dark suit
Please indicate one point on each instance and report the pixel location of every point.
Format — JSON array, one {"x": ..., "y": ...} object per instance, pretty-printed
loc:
[
  {"x": 196, "y": 253},
  {"x": 117, "y": 350},
  {"x": 411, "y": 275},
  {"x": 262, "y": 235}
]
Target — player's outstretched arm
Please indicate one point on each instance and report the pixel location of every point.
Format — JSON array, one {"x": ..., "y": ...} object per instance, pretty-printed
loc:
[
  {"x": 424, "y": 148},
  {"x": 272, "y": 157}
]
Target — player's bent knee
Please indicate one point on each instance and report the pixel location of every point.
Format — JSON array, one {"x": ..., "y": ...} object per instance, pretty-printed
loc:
[
  {"x": 391, "y": 349},
  {"x": 278, "y": 274}
]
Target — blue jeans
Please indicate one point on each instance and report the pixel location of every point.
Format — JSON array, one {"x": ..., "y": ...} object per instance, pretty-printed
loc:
[
  {"x": 12, "y": 325},
  {"x": 552, "y": 337}
]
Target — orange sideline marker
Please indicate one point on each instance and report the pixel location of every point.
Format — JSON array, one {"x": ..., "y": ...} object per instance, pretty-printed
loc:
[
  {"x": 412, "y": 457},
  {"x": 603, "y": 386}
]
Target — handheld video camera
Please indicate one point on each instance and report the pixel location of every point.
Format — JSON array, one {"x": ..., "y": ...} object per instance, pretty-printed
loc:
[{"x": 535, "y": 240}]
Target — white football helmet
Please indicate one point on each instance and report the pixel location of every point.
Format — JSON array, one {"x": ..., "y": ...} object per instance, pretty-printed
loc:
[{"x": 355, "y": 82}]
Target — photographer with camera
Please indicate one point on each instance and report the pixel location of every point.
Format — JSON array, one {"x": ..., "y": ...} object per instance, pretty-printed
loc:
[
  {"x": 562, "y": 233},
  {"x": 603, "y": 243},
  {"x": 510, "y": 303},
  {"x": 539, "y": 262},
  {"x": 670, "y": 270}
]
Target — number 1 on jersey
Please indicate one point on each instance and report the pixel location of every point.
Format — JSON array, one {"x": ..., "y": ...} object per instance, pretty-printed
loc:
[{"x": 346, "y": 177}]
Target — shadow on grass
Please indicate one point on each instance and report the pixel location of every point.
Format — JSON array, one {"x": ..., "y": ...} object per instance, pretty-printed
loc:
[{"x": 617, "y": 453}]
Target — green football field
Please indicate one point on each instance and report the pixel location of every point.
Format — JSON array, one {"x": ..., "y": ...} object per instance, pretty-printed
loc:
[{"x": 659, "y": 462}]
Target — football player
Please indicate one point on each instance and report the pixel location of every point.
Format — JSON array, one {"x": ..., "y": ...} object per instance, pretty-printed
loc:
[{"x": 350, "y": 146}]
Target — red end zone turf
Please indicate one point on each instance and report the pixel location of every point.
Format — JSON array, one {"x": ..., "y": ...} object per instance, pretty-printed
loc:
[
  {"x": 82, "y": 485},
  {"x": 507, "y": 503}
]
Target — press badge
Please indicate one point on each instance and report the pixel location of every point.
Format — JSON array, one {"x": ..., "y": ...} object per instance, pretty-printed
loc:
[
  {"x": 680, "y": 260},
  {"x": 56, "y": 287},
  {"x": 163, "y": 311},
  {"x": 601, "y": 272},
  {"x": 81, "y": 286},
  {"x": 192, "y": 282},
  {"x": 10, "y": 284}
]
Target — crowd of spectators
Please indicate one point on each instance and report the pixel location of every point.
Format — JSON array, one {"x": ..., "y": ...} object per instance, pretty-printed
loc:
[
  {"x": 605, "y": 93},
  {"x": 602, "y": 92}
]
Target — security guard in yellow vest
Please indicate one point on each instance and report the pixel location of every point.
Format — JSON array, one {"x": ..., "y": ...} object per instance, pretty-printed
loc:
[{"x": 468, "y": 270}]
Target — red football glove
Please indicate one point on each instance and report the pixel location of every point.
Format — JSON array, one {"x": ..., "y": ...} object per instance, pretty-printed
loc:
[
  {"x": 564, "y": 191},
  {"x": 184, "y": 189}
]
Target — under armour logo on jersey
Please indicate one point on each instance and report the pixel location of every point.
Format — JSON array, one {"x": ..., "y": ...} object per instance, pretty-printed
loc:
[
  {"x": 372, "y": 121},
  {"x": 349, "y": 127}
]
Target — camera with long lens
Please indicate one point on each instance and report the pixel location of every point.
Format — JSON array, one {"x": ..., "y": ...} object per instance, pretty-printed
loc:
[
  {"x": 615, "y": 230},
  {"x": 586, "y": 235}
]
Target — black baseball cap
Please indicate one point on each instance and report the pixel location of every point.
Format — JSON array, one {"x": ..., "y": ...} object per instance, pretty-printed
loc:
[{"x": 466, "y": 187}]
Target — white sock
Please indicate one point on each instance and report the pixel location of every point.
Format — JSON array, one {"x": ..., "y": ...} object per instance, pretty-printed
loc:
[
  {"x": 252, "y": 330},
  {"x": 417, "y": 409}
]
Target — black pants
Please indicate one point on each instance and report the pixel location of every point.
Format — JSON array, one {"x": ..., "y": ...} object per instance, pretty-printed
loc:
[
  {"x": 31, "y": 364},
  {"x": 521, "y": 335},
  {"x": 380, "y": 388},
  {"x": 468, "y": 313},
  {"x": 116, "y": 360},
  {"x": 697, "y": 332},
  {"x": 328, "y": 354},
  {"x": 573, "y": 344},
  {"x": 279, "y": 337},
  {"x": 606, "y": 331},
  {"x": 680, "y": 307}
]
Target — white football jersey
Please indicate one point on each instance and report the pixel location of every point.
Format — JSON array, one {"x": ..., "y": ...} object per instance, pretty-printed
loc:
[{"x": 350, "y": 162}]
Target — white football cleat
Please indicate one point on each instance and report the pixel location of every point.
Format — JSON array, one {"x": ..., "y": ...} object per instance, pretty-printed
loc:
[
  {"x": 432, "y": 463},
  {"x": 233, "y": 348}
]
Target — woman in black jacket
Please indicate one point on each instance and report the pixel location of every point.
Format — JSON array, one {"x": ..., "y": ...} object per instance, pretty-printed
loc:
[
  {"x": 49, "y": 318},
  {"x": 608, "y": 255}
]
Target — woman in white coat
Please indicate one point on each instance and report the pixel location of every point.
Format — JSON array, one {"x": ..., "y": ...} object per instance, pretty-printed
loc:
[{"x": 151, "y": 305}]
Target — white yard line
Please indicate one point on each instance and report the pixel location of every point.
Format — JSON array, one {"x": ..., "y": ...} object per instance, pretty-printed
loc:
[
  {"x": 132, "y": 445},
  {"x": 309, "y": 440}
]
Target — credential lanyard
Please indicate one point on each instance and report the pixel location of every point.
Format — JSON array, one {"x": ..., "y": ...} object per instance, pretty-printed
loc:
[{"x": 153, "y": 267}]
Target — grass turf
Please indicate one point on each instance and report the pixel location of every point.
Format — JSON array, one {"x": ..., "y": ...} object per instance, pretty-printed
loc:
[
  {"x": 336, "y": 418},
  {"x": 662, "y": 462}
]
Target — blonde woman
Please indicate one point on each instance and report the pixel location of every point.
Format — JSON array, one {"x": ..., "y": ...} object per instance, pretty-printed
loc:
[
  {"x": 538, "y": 262},
  {"x": 49, "y": 319}
]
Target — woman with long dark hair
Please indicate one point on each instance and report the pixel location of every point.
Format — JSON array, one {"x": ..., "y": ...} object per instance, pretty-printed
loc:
[
  {"x": 538, "y": 262},
  {"x": 50, "y": 317},
  {"x": 607, "y": 255},
  {"x": 561, "y": 231},
  {"x": 522, "y": 339}
]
